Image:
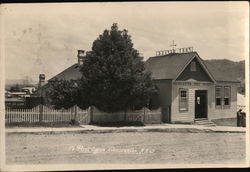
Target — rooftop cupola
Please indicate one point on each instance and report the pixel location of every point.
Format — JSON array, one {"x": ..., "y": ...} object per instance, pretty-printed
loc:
[{"x": 174, "y": 50}]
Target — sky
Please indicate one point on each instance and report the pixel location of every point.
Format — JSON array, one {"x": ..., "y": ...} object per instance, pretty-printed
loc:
[{"x": 44, "y": 38}]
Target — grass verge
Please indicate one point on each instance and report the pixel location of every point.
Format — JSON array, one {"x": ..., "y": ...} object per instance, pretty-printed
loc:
[
  {"x": 118, "y": 124},
  {"x": 42, "y": 124}
]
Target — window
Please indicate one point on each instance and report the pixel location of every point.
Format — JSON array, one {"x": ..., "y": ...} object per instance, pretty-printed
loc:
[
  {"x": 226, "y": 95},
  {"x": 218, "y": 96},
  {"x": 183, "y": 96},
  {"x": 193, "y": 66}
]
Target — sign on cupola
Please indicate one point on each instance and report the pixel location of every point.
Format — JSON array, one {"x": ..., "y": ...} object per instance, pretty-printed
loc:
[{"x": 174, "y": 50}]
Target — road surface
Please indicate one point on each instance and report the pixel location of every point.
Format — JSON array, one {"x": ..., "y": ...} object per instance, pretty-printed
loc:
[{"x": 132, "y": 147}]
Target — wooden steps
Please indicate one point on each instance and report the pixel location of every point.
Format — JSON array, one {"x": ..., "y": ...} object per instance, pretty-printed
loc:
[{"x": 203, "y": 122}]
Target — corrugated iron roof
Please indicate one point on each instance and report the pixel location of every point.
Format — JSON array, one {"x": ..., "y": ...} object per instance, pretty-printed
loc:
[
  {"x": 162, "y": 67},
  {"x": 218, "y": 73},
  {"x": 71, "y": 73},
  {"x": 169, "y": 66}
]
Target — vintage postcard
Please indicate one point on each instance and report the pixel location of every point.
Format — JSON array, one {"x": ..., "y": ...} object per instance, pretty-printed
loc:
[{"x": 124, "y": 85}]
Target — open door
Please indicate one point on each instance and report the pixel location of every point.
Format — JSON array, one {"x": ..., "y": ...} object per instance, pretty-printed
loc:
[{"x": 201, "y": 104}]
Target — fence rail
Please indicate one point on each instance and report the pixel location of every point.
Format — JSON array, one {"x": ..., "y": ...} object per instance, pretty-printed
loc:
[
  {"x": 144, "y": 115},
  {"x": 42, "y": 113}
]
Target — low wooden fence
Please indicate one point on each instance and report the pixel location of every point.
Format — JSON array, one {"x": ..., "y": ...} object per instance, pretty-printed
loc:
[
  {"x": 42, "y": 113},
  {"x": 144, "y": 115}
]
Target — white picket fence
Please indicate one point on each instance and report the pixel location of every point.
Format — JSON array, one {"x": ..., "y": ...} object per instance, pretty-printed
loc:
[
  {"x": 21, "y": 115},
  {"x": 42, "y": 113}
]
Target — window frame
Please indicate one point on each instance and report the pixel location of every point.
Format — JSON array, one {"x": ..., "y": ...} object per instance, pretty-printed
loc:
[
  {"x": 193, "y": 66},
  {"x": 183, "y": 89},
  {"x": 229, "y": 97},
  {"x": 218, "y": 106}
]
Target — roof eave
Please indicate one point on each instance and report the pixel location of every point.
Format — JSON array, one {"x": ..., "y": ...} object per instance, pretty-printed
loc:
[
  {"x": 228, "y": 81},
  {"x": 55, "y": 77}
]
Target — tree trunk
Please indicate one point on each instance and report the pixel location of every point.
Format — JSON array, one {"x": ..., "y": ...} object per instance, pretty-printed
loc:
[
  {"x": 91, "y": 113},
  {"x": 144, "y": 115},
  {"x": 125, "y": 115}
]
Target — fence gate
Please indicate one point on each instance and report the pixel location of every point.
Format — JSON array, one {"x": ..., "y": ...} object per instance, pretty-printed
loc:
[{"x": 82, "y": 116}]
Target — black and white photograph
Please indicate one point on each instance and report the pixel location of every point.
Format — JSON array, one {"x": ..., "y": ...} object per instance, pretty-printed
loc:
[{"x": 124, "y": 85}]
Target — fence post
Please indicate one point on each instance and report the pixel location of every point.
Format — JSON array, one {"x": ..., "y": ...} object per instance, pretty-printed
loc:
[
  {"x": 91, "y": 113},
  {"x": 75, "y": 108},
  {"x": 144, "y": 115},
  {"x": 125, "y": 115},
  {"x": 6, "y": 114},
  {"x": 40, "y": 113}
]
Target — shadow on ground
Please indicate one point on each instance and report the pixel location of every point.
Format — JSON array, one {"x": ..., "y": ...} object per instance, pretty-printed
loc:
[
  {"x": 226, "y": 122},
  {"x": 43, "y": 124}
]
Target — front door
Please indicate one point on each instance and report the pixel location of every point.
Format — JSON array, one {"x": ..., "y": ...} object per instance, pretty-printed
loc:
[{"x": 201, "y": 104}]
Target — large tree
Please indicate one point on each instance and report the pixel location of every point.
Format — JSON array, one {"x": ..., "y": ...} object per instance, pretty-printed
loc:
[{"x": 113, "y": 73}]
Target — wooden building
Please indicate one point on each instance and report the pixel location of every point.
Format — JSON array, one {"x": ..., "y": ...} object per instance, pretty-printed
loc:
[
  {"x": 71, "y": 73},
  {"x": 189, "y": 89}
]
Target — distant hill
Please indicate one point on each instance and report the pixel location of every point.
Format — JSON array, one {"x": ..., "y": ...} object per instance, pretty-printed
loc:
[{"x": 234, "y": 69}]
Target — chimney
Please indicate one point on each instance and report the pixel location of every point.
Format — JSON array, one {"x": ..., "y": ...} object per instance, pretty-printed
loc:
[
  {"x": 80, "y": 56},
  {"x": 41, "y": 80}
]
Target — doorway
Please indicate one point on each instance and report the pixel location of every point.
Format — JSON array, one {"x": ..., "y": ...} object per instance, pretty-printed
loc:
[{"x": 201, "y": 104}]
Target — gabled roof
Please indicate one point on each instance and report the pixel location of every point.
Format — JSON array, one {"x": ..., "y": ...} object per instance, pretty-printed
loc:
[
  {"x": 162, "y": 67},
  {"x": 71, "y": 73},
  {"x": 168, "y": 66},
  {"x": 171, "y": 66}
]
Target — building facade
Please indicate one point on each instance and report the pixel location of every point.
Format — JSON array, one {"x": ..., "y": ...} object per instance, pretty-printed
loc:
[{"x": 190, "y": 89}]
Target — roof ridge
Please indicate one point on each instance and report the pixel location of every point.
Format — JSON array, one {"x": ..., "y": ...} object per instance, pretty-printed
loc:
[
  {"x": 171, "y": 54},
  {"x": 168, "y": 66}
]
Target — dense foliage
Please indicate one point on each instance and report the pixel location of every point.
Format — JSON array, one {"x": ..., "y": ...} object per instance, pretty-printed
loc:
[
  {"x": 113, "y": 73},
  {"x": 65, "y": 94},
  {"x": 113, "y": 77}
]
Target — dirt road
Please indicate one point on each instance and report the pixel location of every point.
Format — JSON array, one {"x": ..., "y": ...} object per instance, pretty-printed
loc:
[{"x": 153, "y": 147}]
